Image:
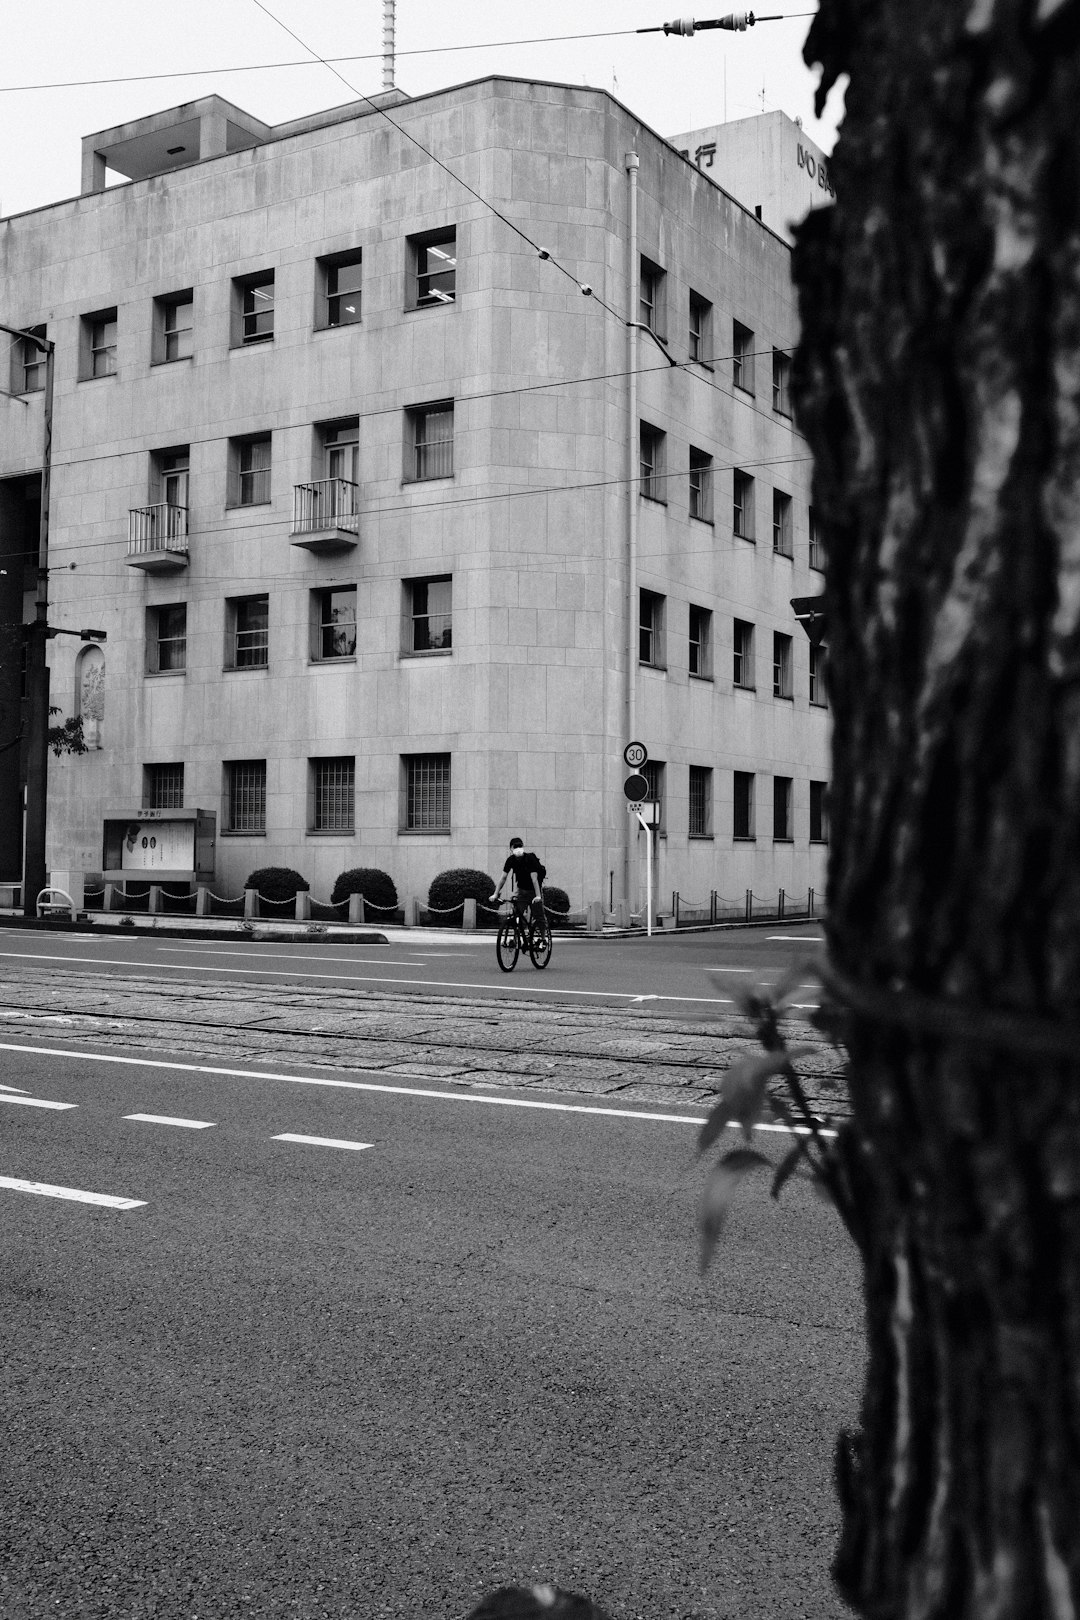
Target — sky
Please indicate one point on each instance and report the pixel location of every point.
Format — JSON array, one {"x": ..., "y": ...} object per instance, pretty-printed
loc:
[{"x": 672, "y": 83}]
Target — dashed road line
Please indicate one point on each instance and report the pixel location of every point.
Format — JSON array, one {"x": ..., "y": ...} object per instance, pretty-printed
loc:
[
  {"x": 320, "y": 1141},
  {"x": 75, "y": 1194},
  {"x": 167, "y": 1119},
  {"x": 34, "y": 1102}
]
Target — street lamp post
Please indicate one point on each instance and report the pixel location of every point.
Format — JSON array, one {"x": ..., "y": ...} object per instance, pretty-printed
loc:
[{"x": 37, "y": 670}]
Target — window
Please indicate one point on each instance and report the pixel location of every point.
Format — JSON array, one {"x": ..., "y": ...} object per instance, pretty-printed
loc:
[
  {"x": 817, "y": 545},
  {"x": 781, "y": 807},
  {"x": 742, "y": 514},
  {"x": 700, "y": 825},
  {"x": 166, "y": 639},
  {"x": 819, "y": 813},
  {"x": 430, "y": 441},
  {"x": 174, "y": 323},
  {"x": 743, "y": 805},
  {"x": 653, "y": 772},
  {"x": 700, "y": 643},
  {"x": 781, "y": 665},
  {"x": 251, "y": 470},
  {"x": 98, "y": 345},
  {"x": 781, "y": 382},
  {"x": 818, "y": 694},
  {"x": 341, "y": 448},
  {"x": 652, "y": 453},
  {"x": 426, "y": 793},
  {"x": 333, "y": 795},
  {"x": 742, "y": 357},
  {"x": 781, "y": 524},
  {"x": 433, "y": 269},
  {"x": 163, "y": 787},
  {"x": 700, "y": 485},
  {"x": 253, "y": 309},
  {"x": 428, "y": 615},
  {"x": 169, "y": 473},
  {"x": 333, "y": 623},
  {"x": 650, "y": 297},
  {"x": 339, "y": 284},
  {"x": 245, "y": 796},
  {"x": 248, "y": 632},
  {"x": 700, "y": 344},
  {"x": 28, "y": 364},
  {"x": 651, "y": 629},
  {"x": 743, "y": 673}
]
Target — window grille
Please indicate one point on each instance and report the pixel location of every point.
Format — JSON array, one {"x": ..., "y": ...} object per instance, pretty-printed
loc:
[
  {"x": 433, "y": 437},
  {"x": 427, "y": 792},
  {"x": 165, "y": 787},
  {"x": 700, "y": 801},
  {"x": 334, "y": 795},
  {"x": 247, "y": 795}
]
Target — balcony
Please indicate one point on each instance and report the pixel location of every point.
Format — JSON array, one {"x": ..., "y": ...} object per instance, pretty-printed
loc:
[
  {"x": 158, "y": 537},
  {"x": 325, "y": 515}
]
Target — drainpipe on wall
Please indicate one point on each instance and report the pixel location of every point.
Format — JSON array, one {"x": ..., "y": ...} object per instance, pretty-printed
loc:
[{"x": 632, "y": 473}]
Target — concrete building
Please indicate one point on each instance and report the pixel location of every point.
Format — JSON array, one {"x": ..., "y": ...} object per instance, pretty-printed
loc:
[
  {"x": 415, "y": 460},
  {"x": 767, "y": 162}
]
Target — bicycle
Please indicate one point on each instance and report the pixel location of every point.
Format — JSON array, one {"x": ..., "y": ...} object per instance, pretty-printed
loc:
[{"x": 525, "y": 930}]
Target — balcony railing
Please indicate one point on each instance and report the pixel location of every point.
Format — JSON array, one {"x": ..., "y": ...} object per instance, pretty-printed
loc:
[
  {"x": 158, "y": 536},
  {"x": 328, "y": 503}
]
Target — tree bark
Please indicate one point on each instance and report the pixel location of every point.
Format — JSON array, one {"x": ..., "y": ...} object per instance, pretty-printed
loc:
[{"x": 938, "y": 381}]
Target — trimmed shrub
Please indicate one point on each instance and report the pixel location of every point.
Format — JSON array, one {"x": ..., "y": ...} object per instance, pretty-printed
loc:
[
  {"x": 376, "y": 887},
  {"x": 449, "y": 890},
  {"x": 277, "y": 885},
  {"x": 556, "y": 901}
]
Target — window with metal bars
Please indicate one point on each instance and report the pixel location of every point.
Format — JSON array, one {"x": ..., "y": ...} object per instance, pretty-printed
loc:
[
  {"x": 163, "y": 787},
  {"x": 782, "y": 808},
  {"x": 333, "y": 794},
  {"x": 248, "y": 619},
  {"x": 426, "y": 793},
  {"x": 700, "y": 825},
  {"x": 245, "y": 796},
  {"x": 430, "y": 441},
  {"x": 166, "y": 639}
]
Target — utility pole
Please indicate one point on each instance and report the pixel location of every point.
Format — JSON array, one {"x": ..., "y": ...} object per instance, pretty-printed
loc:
[{"x": 37, "y": 670}]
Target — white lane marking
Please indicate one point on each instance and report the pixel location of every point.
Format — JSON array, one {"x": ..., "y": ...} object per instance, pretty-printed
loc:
[
  {"x": 36, "y": 1102},
  {"x": 519, "y": 989},
  {"x": 74, "y": 1193},
  {"x": 367, "y": 1085},
  {"x": 800, "y": 939},
  {"x": 320, "y": 1141},
  {"x": 280, "y": 956},
  {"x": 166, "y": 1119},
  {"x": 20, "y": 1089}
]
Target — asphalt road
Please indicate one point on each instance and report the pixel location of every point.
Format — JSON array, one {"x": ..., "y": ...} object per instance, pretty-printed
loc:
[
  {"x": 673, "y": 973},
  {"x": 308, "y": 1380}
]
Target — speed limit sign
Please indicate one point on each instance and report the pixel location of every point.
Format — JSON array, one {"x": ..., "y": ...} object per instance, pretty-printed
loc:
[{"x": 635, "y": 754}]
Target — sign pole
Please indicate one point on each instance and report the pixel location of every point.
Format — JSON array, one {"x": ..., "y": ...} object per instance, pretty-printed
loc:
[{"x": 648, "y": 879}]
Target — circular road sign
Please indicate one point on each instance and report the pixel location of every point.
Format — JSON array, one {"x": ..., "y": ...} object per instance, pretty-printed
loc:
[
  {"x": 636, "y": 788},
  {"x": 635, "y": 754}
]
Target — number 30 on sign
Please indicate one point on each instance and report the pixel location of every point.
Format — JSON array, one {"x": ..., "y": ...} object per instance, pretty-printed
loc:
[{"x": 635, "y": 754}]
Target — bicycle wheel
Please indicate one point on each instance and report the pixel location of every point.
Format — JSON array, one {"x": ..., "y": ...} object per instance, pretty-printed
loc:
[
  {"x": 540, "y": 941},
  {"x": 506, "y": 945}
]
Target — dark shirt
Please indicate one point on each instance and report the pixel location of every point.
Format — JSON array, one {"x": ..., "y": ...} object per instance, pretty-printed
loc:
[{"x": 522, "y": 866}]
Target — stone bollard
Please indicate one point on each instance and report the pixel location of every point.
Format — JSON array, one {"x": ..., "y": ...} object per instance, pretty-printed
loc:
[
  {"x": 412, "y": 909},
  {"x": 356, "y": 908},
  {"x": 594, "y": 917},
  {"x": 468, "y": 914},
  {"x": 303, "y": 905},
  {"x": 622, "y": 913},
  {"x": 153, "y": 905},
  {"x": 251, "y": 903},
  {"x": 202, "y": 902},
  {"x": 108, "y": 899}
]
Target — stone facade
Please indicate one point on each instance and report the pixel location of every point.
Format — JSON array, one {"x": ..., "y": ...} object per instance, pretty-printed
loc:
[{"x": 526, "y": 510}]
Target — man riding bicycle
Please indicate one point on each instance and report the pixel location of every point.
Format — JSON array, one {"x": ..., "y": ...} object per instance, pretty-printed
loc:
[{"x": 528, "y": 874}]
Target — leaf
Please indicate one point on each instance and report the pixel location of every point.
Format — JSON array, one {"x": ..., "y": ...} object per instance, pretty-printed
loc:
[
  {"x": 795, "y": 976},
  {"x": 742, "y": 1092},
  {"x": 788, "y": 1165},
  {"x": 720, "y": 1188}
]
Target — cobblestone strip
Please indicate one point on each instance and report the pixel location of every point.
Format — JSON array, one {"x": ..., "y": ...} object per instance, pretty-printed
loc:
[{"x": 639, "y": 1057}]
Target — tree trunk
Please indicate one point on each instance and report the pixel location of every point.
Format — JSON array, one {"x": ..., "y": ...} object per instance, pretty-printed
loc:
[{"x": 938, "y": 381}]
